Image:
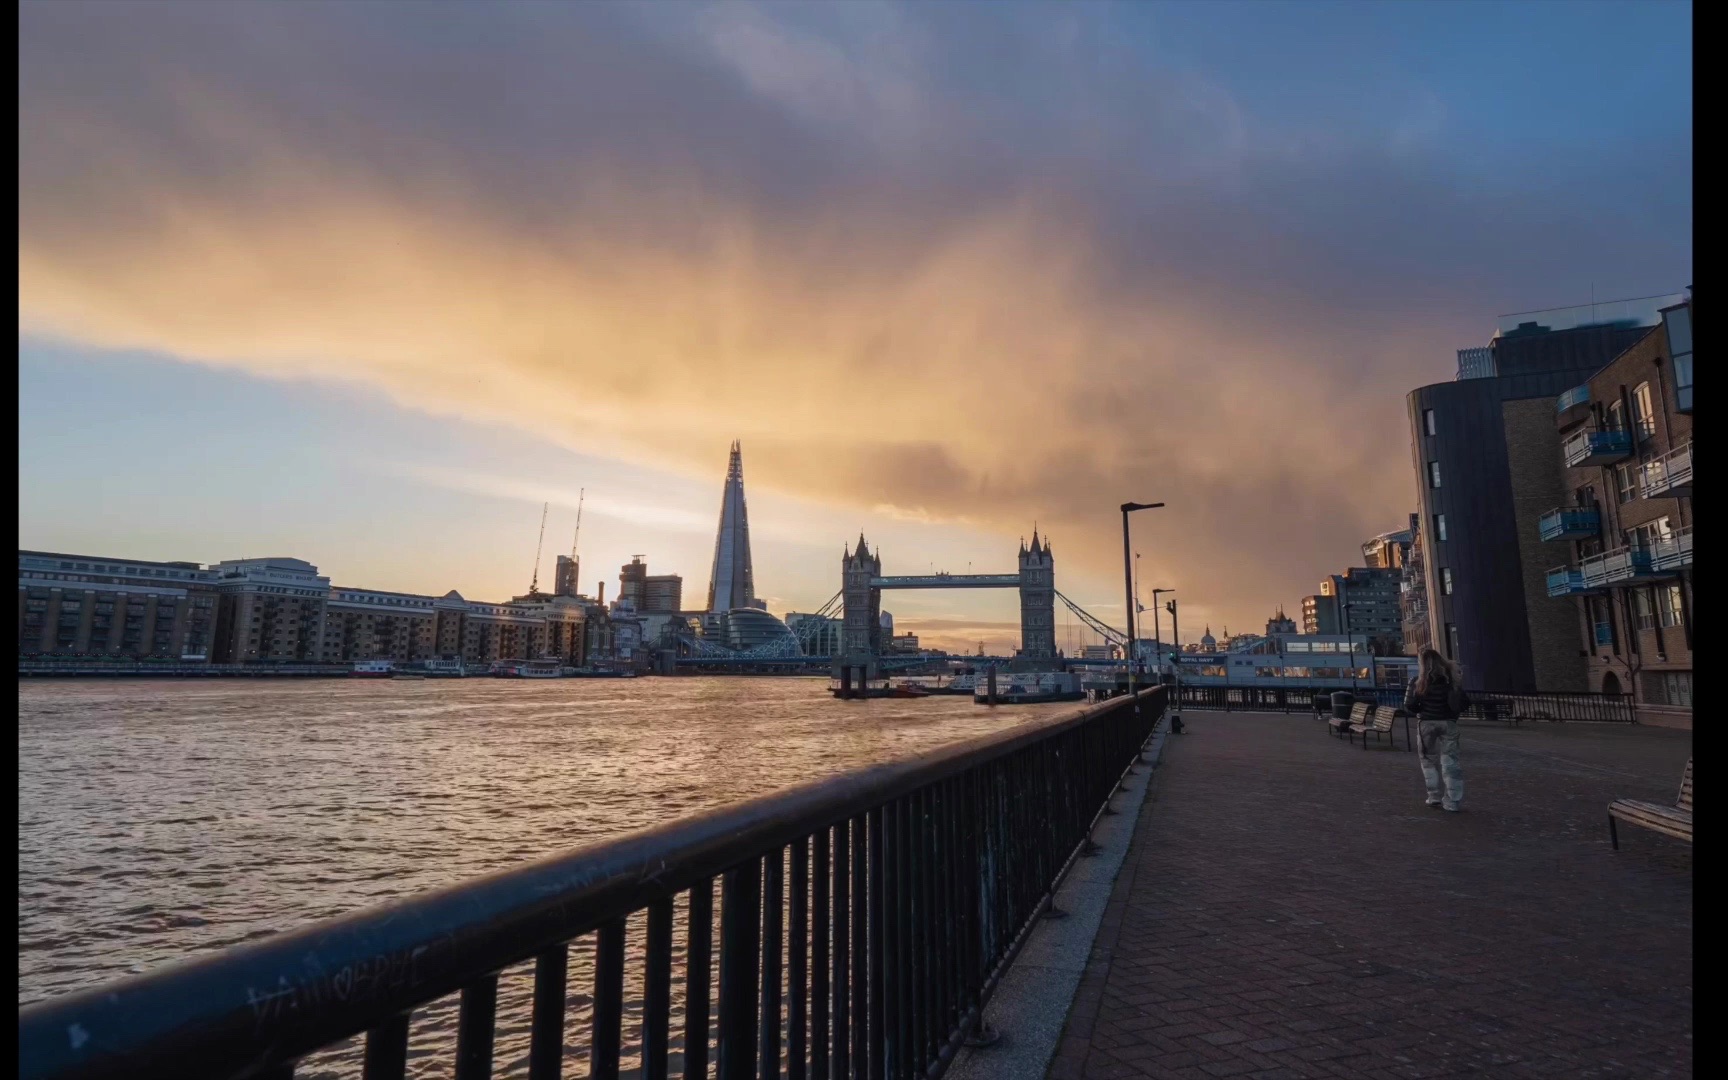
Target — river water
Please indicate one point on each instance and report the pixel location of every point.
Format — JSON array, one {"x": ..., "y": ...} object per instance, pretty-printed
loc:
[{"x": 157, "y": 819}]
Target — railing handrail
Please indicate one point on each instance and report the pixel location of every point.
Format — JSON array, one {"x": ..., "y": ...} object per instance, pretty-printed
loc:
[{"x": 388, "y": 959}]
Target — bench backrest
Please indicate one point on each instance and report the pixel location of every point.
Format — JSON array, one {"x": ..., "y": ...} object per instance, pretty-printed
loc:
[
  {"x": 1383, "y": 717},
  {"x": 1360, "y": 712},
  {"x": 1685, "y": 800}
]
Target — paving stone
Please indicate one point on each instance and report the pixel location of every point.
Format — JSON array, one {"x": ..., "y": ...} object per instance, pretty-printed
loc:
[{"x": 1290, "y": 908}]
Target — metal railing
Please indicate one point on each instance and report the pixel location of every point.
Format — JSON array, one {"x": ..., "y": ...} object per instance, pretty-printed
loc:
[
  {"x": 1493, "y": 705},
  {"x": 1597, "y": 447},
  {"x": 1578, "y": 395},
  {"x": 1670, "y": 474},
  {"x": 863, "y": 923}
]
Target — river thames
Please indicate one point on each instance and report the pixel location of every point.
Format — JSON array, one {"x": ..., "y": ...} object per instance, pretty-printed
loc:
[{"x": 158, "y": 819}]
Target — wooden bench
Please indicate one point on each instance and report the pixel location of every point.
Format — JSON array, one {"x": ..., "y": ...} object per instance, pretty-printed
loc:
[
  {"x": 1358, "y": 715},
  {"x": 1381, "y": 723},
  {"x": 1675, "y": 821}
]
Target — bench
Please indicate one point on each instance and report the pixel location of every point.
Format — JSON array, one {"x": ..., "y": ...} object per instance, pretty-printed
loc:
[
  {"x": 1381, "y": 723},
  {"x": 1358, "y": 715},
  {"x": 1675, "y": 821}
]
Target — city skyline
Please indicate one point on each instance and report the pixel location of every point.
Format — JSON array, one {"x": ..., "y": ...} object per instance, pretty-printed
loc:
[{"x": 937, "y": 310}]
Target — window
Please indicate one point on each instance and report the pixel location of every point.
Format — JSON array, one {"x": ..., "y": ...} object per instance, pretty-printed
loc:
[
  {"x": 1616, "y": 420},
  {"x": 1679, "y": 324},
  {"x": 1439, "y": 526},
  {"x": 1446, "y": 580},
  {"x": 1451, "y": 641},
  {"x": 1667, "y": 688},
  {"x": 1626, "y": 481},
  {"x": 1643, "y": 412},
  {"x": 1641, "y": 604},
  {"x": 1433, "y": 474},
  {"x": 1669, "y": 605},
  {"x": 1428, "y": 421}
]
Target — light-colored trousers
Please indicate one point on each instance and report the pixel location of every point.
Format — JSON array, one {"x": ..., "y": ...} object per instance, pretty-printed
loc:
[{"x": 1438, "y": 740}]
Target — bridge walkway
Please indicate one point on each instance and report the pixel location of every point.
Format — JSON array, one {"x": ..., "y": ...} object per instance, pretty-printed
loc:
[{"x": 1290, "y": 908}]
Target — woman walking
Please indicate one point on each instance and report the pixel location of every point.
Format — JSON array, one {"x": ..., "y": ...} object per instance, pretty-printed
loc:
[{"x": 1437, "y": 699}]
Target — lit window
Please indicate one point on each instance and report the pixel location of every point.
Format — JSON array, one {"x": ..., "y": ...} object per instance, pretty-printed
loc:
[
  {"x": 1451, "y": 641},
  {"x": 1446, "y": 580},
  {"x": 1643, "y": 413},
  {"x": 1433, "y": 474},
  {"x": 1641, "y": 604},
  {"x": 1439, "y": 526},
  {"x": 1428, "y": 421},
  {"x": 1616, "y": 417},
  {"x": 1668, "y": 605}
]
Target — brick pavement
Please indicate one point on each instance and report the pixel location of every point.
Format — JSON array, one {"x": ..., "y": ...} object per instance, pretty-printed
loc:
[{"x": 1290, "y": 908}]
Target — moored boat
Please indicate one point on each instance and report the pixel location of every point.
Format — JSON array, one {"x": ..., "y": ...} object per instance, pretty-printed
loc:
[
  {"x": 1031, "y": 688},
  {"x": 372, "y": 669},
  {"x": 451, "y": 668}
]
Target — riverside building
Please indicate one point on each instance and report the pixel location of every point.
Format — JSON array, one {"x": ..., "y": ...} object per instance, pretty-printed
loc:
[
  {"x": 119, "y": 609},
  {"x": 1624, "y": 528},
  {"x": 1487, "y": 460}
]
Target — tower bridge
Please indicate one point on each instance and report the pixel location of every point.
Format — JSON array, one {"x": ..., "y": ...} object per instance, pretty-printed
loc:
[{"x": 862, "y": 584}]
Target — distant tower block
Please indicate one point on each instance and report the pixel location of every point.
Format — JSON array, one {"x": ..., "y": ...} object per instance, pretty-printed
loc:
[
  {"x": 732, "y": 585},
  {"x": 1037, "y": 601}
]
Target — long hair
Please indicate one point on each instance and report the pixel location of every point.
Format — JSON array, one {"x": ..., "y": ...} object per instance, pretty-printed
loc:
[{"x": 1435, "y": 666}]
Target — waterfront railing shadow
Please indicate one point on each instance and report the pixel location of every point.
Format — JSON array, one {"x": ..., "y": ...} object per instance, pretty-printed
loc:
[{"x": 856, "y": 926}]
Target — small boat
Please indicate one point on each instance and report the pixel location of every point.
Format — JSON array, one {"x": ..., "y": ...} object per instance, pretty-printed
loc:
[
  {"x": 445, "y": 669},
  {"x": 373, "y": 669},
  {"x": 598, "y": 673},
  {"x": 400, "y": 675}
]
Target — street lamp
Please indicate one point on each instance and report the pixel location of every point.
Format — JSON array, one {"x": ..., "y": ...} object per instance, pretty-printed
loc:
[
  {"x": 1175, "y": 660},
  {"x": 1128, "y": 580},
  {"x": 1157, "y": 634}
]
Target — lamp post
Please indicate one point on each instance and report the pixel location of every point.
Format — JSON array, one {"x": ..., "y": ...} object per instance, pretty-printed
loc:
[
  {"x": 1157, "y": 634},
  {"x": 1350, "y": 641},
  {"x": 1128, "y": 580},
  {"x": 1175, "y": 660}
]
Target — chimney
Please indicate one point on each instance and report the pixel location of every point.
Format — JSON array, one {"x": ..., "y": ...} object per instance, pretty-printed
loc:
[{"x": 602, "y": 593}]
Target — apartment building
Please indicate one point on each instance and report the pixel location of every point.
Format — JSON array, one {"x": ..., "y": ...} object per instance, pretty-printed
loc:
[
  {"x": 366, "y": 624},
  {"x": 109, "y": 608},
  {"x": 1487, "y": 461},
  {"x": 270, "y": 611},
  {"x": 1625, "y": 529}
]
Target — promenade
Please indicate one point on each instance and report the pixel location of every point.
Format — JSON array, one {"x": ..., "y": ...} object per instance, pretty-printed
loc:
[{"x": 1289, "y": 907}]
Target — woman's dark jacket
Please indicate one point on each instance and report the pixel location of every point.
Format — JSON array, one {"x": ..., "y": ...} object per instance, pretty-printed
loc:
[{"x": 1441, "y": 701}]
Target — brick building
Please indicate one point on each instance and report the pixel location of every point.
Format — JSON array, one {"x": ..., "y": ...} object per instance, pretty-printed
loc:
[
  {"x": 103, "y": 607},
  {"x": 1626, "y": 524}
]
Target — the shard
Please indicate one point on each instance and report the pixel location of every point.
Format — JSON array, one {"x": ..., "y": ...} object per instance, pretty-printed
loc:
[{"x": 731, "y": 584}]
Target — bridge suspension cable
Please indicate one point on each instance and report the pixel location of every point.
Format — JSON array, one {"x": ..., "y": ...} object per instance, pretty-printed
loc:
[{"x": 1106, "y": 631}]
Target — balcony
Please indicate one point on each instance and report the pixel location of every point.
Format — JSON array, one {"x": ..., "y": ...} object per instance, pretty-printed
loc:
[
  {"x": 1567, "y": 581},
  {"x": 1578, "y": 395},
  {"x": 1570, "y": 523},
  {"x": 1620, "y": 566},
  {"x": 1597, "y": 448},
  {"x": 1672, "y": 552},
  {"x": 1669, "y": 475}
]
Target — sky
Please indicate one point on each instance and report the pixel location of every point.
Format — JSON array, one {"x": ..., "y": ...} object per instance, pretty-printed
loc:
[{"x": 367, "y": 283}]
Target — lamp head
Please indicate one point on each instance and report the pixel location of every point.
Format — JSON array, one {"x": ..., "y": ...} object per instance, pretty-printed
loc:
[{"x": 1130, "y": 507}]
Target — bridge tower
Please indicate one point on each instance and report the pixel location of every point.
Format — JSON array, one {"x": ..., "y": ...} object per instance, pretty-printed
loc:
[
  {"x": 1037, "y": 601},
  {"x": 861, "y": 616}
]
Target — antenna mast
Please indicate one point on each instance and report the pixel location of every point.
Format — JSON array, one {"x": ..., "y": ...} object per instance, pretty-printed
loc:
[
  {"x": 534, "y": 585},
  {"x": 580, "y": 495}
]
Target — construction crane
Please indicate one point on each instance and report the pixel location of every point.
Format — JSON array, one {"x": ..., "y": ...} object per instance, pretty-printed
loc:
[
  {"x": 581, "y": 494},
  {"x": 534, "y": 585}
]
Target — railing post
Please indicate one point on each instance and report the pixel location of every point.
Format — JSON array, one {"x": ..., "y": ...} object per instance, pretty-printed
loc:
[{"x": 740, "y": 942}]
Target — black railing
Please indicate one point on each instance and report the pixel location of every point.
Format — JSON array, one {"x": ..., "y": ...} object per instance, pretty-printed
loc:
[
  {"x": 863, "y": 923},
  {"x": 1494, "y": 705}
]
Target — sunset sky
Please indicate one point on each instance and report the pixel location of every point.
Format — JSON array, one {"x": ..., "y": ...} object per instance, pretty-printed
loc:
[{"x": 366, "y": 283}]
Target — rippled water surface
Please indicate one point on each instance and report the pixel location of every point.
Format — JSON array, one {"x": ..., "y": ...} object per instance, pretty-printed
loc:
[{"x": 159, "y": 818}]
